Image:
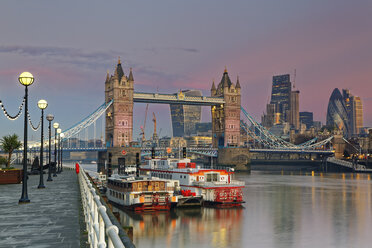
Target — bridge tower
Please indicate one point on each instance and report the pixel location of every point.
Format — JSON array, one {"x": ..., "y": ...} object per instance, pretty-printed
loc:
[
  {"x": 226, "y": 118},
  {"x": 119, "y": 116}
]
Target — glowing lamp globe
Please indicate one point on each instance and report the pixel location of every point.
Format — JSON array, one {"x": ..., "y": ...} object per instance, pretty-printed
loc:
[
  {"x": 50, "y": 117},
  {"x": 56, "y": 125},
  {"x": 42, "y": 104},
  {"x": 26, "y": 78},
  {"x": 62, "y": 135},
  {"x": 59, "y": 130}
]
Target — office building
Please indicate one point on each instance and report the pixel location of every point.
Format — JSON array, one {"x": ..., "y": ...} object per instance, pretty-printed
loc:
[
  {"x": 337, "y": 116},
  {"x": 354, "y": 109},
  {"x": 284, "y": 104},
  {"x": 294, "y": 113},
  {"x": 185, "y": 117},
  {"x": 307, "y": 119}
]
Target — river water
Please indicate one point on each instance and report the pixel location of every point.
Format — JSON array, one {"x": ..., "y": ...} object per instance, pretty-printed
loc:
[{"x": 281, "y": 210}]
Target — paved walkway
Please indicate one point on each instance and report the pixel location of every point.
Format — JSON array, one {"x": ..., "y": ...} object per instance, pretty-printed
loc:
[{"x": 51, "y": 219}]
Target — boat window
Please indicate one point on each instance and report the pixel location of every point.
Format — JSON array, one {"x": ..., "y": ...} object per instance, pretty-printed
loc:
[{"x": 211, "y": 177}]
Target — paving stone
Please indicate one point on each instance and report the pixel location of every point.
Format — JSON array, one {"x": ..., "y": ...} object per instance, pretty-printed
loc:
[{"x": 51, "y": 219}]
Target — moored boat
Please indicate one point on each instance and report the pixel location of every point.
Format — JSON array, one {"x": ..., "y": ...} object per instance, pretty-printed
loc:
[
  {"x": 217, "y": 187},
  {"x": 142, "y": 193}
]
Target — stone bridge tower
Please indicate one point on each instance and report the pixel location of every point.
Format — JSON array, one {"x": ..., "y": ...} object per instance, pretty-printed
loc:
[
  {"x": 119, "y": 116},
  {"x": 226, "y": 118}
]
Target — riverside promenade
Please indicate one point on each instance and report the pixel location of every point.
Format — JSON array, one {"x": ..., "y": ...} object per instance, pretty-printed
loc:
[{"x": 51, "y": 219}]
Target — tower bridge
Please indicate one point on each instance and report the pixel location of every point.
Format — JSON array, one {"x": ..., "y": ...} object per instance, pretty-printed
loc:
[{"x": 225, "y": 103}]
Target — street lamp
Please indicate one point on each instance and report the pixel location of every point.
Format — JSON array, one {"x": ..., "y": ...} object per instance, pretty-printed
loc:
[
  {"x": 42, "y": 104},
  {"x": 61, "y": 148},
  {"x": 49, "y": 118},
  {"x": 56, "y": 126},
  {"x": 26, "y": 79},
  {"x": 59, "y": 131}
]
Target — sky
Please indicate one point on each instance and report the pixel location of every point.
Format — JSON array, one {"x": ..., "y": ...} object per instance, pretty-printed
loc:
[{"x": 69, "y": 45}]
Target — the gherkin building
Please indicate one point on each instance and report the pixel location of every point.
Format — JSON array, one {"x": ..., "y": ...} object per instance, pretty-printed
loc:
[{"x": 336, "y": 112}]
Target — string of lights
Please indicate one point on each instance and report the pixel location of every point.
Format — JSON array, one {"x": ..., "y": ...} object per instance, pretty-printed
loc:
[
  {"x": 32, "y": 126},
  {"x": 10, "y": 117}
]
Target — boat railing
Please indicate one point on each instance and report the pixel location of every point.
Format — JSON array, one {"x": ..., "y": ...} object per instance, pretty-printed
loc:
[
  {"x": 219, "y": 184},
  {"x": 99, "y": 226}
]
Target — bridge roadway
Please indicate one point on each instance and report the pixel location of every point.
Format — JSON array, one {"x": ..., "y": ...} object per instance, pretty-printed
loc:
[
  {"x": 176, "y": 99},
  {"x": 51, "y": 219}
]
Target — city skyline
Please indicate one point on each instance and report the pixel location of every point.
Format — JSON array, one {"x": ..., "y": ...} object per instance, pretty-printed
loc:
[{"x": 70, "y": 54}]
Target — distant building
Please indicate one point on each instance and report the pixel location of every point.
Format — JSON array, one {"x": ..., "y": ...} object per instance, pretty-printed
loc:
[
  {"x": 337, "y": 115},
  {"x": 280, "y": 95},
  {"x": 307, "y": 119},
  {"x": 317, "y": 125},
  {"x": 177, "y": 142},
  {"x": 284, "y": 104},
  {"x": 185, "y": 117},
  {"x": 294, "y": 113},
  {"x": 281, "y": 130},
  {"x": 203, "y": 129},
  {"x": 354, "y": 110},
  {"x": 345, "y": 112},
  {"x": 268, "y": 118},
  {"x": 199, "y": 141}
]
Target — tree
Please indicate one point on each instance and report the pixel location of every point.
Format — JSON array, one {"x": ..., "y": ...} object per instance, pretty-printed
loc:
[
  {"x": 3, "y": 160},
  {"x": 10, "y": 143}
]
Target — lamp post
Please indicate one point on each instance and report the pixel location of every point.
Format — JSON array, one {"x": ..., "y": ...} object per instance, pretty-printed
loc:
[
  {"x": 56, "y": 126},
  {"x": 50, "y": 118},
  {"x": 42, "y": 104},
  {"x": 59, "y": 148},
  {"x": 26, "y": 79},
  {"x": 61, "y": 135}
]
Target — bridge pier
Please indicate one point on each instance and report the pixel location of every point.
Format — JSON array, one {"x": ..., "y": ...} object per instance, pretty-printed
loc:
[
  {"x": 238, "y": 158},
  {"x": 339, "y": 145},
  {"x": 116, "y": 153}
]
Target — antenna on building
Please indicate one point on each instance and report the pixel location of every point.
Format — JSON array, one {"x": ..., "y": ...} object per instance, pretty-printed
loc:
[{"x": 294, "y": 79}]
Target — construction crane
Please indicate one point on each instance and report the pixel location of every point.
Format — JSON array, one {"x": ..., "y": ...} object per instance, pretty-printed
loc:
[
  {"x": 155, "y": 136},
  {"x": 154, "y": 120},
  {"x": 144, "y": 124}
]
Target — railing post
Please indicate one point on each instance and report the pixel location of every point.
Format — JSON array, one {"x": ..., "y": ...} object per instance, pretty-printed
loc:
[
  {"x": 101, "y": 240},
  {"x": 95, "y": 221},
  {"x": 109, "y": 229}
]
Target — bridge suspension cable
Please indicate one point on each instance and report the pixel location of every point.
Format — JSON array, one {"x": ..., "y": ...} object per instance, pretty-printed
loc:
[
  {"x": 271, "y": 141},
  {"x": 86, "y": 122}
]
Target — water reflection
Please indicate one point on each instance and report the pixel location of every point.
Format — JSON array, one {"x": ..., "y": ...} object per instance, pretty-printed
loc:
[
  {"x": 207, "y": 227},
  {"x": 281, "y": 210},
  {"x": 324, "y": 210}
]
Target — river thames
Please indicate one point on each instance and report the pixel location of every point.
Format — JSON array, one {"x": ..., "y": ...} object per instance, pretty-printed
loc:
[
  {"x": 324, "y": 210},
  {"x": 281, "y": 210}
]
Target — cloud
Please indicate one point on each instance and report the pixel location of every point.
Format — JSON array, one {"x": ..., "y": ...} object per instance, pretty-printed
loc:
[
  {"x": 156, "y": 50},
  {"x": 74, "y": 56},
  {"x": 95, "y": 60}
]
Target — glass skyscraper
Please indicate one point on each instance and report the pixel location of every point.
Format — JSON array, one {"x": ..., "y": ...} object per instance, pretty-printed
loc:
[
  {"x": 280, "y": 95},
  {"x": 337, "y": 115},
  {"x": 185, "y": 117}
]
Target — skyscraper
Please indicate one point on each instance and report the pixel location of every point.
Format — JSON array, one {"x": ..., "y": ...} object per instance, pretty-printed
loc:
[
  {"x": 294, "y": 113},
  {"x": 284, "y": 104},
  {"x": 354, "y": 109},
  {"x": 280, "y": 95},
  {"x": 184, "y": 117},
  {"x": 336, "y": 113}
]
